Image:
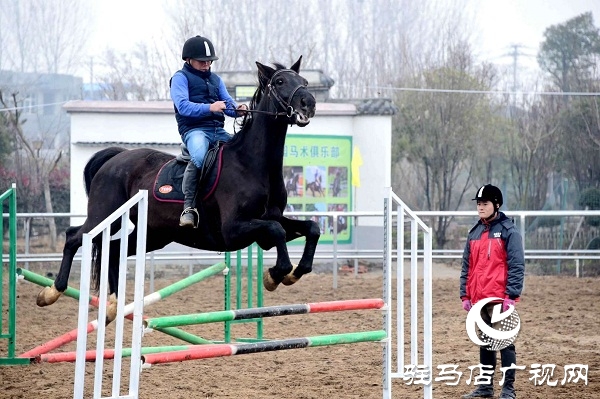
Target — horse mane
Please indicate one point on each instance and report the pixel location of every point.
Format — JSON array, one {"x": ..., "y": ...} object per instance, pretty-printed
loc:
[{"x": 246, "y": 122}]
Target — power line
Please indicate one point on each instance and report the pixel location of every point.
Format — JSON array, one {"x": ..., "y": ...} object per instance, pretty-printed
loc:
[
  {"x": 467, "y": 91},
  {"x": 31, "y": 106},
  {"x": 409, "y": 89}
]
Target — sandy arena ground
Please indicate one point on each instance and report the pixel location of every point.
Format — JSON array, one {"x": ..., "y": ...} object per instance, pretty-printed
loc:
[{"x": 560, "y": 317}]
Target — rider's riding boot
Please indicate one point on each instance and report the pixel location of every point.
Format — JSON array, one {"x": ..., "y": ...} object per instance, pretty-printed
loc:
[{"x": 190, "y": 180}]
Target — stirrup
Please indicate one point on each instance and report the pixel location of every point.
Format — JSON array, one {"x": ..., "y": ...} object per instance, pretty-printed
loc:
[{"x": 192, "y": 211}]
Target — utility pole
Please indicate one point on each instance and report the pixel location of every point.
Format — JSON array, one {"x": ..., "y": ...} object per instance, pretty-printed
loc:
[
  {"x": 92, "y": 89},
  {"x": 515, "y": 53},
  {"x": 515, "y": 56}
]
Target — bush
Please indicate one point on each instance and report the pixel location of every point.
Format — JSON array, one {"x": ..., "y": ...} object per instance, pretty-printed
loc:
[{"x": 590, "y": 198}]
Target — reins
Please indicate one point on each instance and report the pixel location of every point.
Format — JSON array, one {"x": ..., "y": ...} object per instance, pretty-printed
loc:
[{"x": 255, "y": 111}]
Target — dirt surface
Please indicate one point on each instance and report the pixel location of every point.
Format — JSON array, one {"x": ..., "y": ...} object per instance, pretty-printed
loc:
[{"x": 560, "y": 326}]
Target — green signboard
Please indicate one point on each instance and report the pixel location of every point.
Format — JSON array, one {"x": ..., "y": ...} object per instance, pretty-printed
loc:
[{"x": 316, "y": 170}]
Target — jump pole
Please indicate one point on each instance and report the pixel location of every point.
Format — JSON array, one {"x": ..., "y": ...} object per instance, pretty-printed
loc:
[
  {"x": 268, "y": 311},
  {"x": 128, "y": 310},
  {"x": 71, "y": 336},
  {"x": 90, "y": 355},
  {"x": 220, "y": 350},
  {"x": 11, "y": 329}
]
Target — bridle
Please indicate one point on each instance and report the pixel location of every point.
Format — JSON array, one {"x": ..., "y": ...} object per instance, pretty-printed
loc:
[
  {"x": 276, "y": 98},
  {"x": 274, "y": 95}
]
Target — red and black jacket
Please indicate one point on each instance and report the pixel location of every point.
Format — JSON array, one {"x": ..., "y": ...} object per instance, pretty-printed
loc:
[{"x": 493, "y": 263}]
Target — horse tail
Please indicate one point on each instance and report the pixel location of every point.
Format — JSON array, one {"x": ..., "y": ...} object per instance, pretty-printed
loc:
[
  {"x": 96, "y": 259},
  {"x": 96, "y": 162}
]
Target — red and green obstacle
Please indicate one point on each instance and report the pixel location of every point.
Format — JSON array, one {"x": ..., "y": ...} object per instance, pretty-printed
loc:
[{"x": 221, "y": 350}]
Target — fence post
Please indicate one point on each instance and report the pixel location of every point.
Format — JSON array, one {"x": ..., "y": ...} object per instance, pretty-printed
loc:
[
  {"x": 416, "y": 225},
  {"x": 249, "y": 290},
  {"x": 11, "y": 277}
]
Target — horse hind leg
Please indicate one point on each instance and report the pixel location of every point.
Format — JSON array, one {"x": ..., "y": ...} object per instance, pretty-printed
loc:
[
  {"x": 113, "y": 272},
  {"x": 49, "y": 295},
  {"x": 113, "y": 281}
]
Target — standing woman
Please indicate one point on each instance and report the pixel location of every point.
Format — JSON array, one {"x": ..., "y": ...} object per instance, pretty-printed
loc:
[{"x": 493, "y": 265}]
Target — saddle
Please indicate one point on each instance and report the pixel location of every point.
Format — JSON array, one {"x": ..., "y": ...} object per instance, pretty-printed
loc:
[{"x": 168, "y": 181}]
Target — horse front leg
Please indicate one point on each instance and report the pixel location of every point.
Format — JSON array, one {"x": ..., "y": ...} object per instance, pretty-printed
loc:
[
  {"x": 49, "y": 295},
  {"x": 301, "y": 228},
  {"x": 267, "y": 234}
]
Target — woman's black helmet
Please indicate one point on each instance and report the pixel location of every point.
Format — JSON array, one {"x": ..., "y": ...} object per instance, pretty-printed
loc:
[
  {"x": 198, "y": 48},
  {"x": 489, "y": 193}
]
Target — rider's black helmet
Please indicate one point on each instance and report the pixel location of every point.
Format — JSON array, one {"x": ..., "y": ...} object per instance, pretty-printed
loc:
[
  {"x": 198, "y": 48},
  {"x": 489, "y": 193}
]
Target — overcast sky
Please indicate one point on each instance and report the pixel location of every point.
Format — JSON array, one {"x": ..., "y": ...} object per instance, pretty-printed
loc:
[
  {"x": 508, "y": 22},
  {"x": 501, "y": 24}
]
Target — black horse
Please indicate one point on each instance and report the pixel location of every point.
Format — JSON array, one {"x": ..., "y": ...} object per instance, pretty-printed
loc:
[
  {"x": 246, "y": 206},
  {"x": 315, "y": 187},
  {"x": 292, "y": 185}
]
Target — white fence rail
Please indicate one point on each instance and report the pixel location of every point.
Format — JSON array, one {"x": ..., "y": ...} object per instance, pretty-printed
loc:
[
  {"x": 421, "y": 353},
  {"x": 103, "y": 230},
  {"x": 467, "y": 218}
]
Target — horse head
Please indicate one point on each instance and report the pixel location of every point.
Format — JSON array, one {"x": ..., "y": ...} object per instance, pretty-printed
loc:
[{"x": 287, "y": 91}]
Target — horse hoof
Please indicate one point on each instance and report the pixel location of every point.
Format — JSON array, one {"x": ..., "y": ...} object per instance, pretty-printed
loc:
[
  {"x": 111, "y": 309},
  {"x": 290, "y": 279},
  {"x": 268, "y": 282},
  {"x": 47, "y": 296}
]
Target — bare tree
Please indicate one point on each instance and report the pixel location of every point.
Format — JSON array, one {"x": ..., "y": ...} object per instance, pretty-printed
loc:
[
  {"x": 593, "y": 125},
  {"x": 39, "y": 37},
  {"x": 131, "y": 76},
  {"x": 578, "y": 138},
  {"x": 364, "y": 45},
  {"x": 440, "y": 134},
  {"x": 43, "y": 35},
  {"x": 530, "y": 144},
  {"x": 34, "y": 168}
]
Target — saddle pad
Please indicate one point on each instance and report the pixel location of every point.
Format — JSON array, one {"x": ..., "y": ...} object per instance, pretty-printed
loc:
[
  {"x": 167, "y": 185},
  {"x": 168, "y": 182}
]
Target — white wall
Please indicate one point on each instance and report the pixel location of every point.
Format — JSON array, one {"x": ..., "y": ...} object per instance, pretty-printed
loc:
[{"x": 97, "y": 125}]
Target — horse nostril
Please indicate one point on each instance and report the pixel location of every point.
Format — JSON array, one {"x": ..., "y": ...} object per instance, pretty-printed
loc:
[{"x": 303, "y": 102}]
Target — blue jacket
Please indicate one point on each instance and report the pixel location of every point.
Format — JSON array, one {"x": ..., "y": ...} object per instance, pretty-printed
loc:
[
  {"x": 192, "y": 92},
  {"x": 493, "y": 262}
]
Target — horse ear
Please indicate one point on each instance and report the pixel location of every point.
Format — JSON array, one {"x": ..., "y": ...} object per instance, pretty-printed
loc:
[
  {"x": 296, "y": 66},
  {"x": 264, "y": 72}
]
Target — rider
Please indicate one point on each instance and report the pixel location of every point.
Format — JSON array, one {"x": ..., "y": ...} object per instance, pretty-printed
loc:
[{"x": 200, "y": 99}]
